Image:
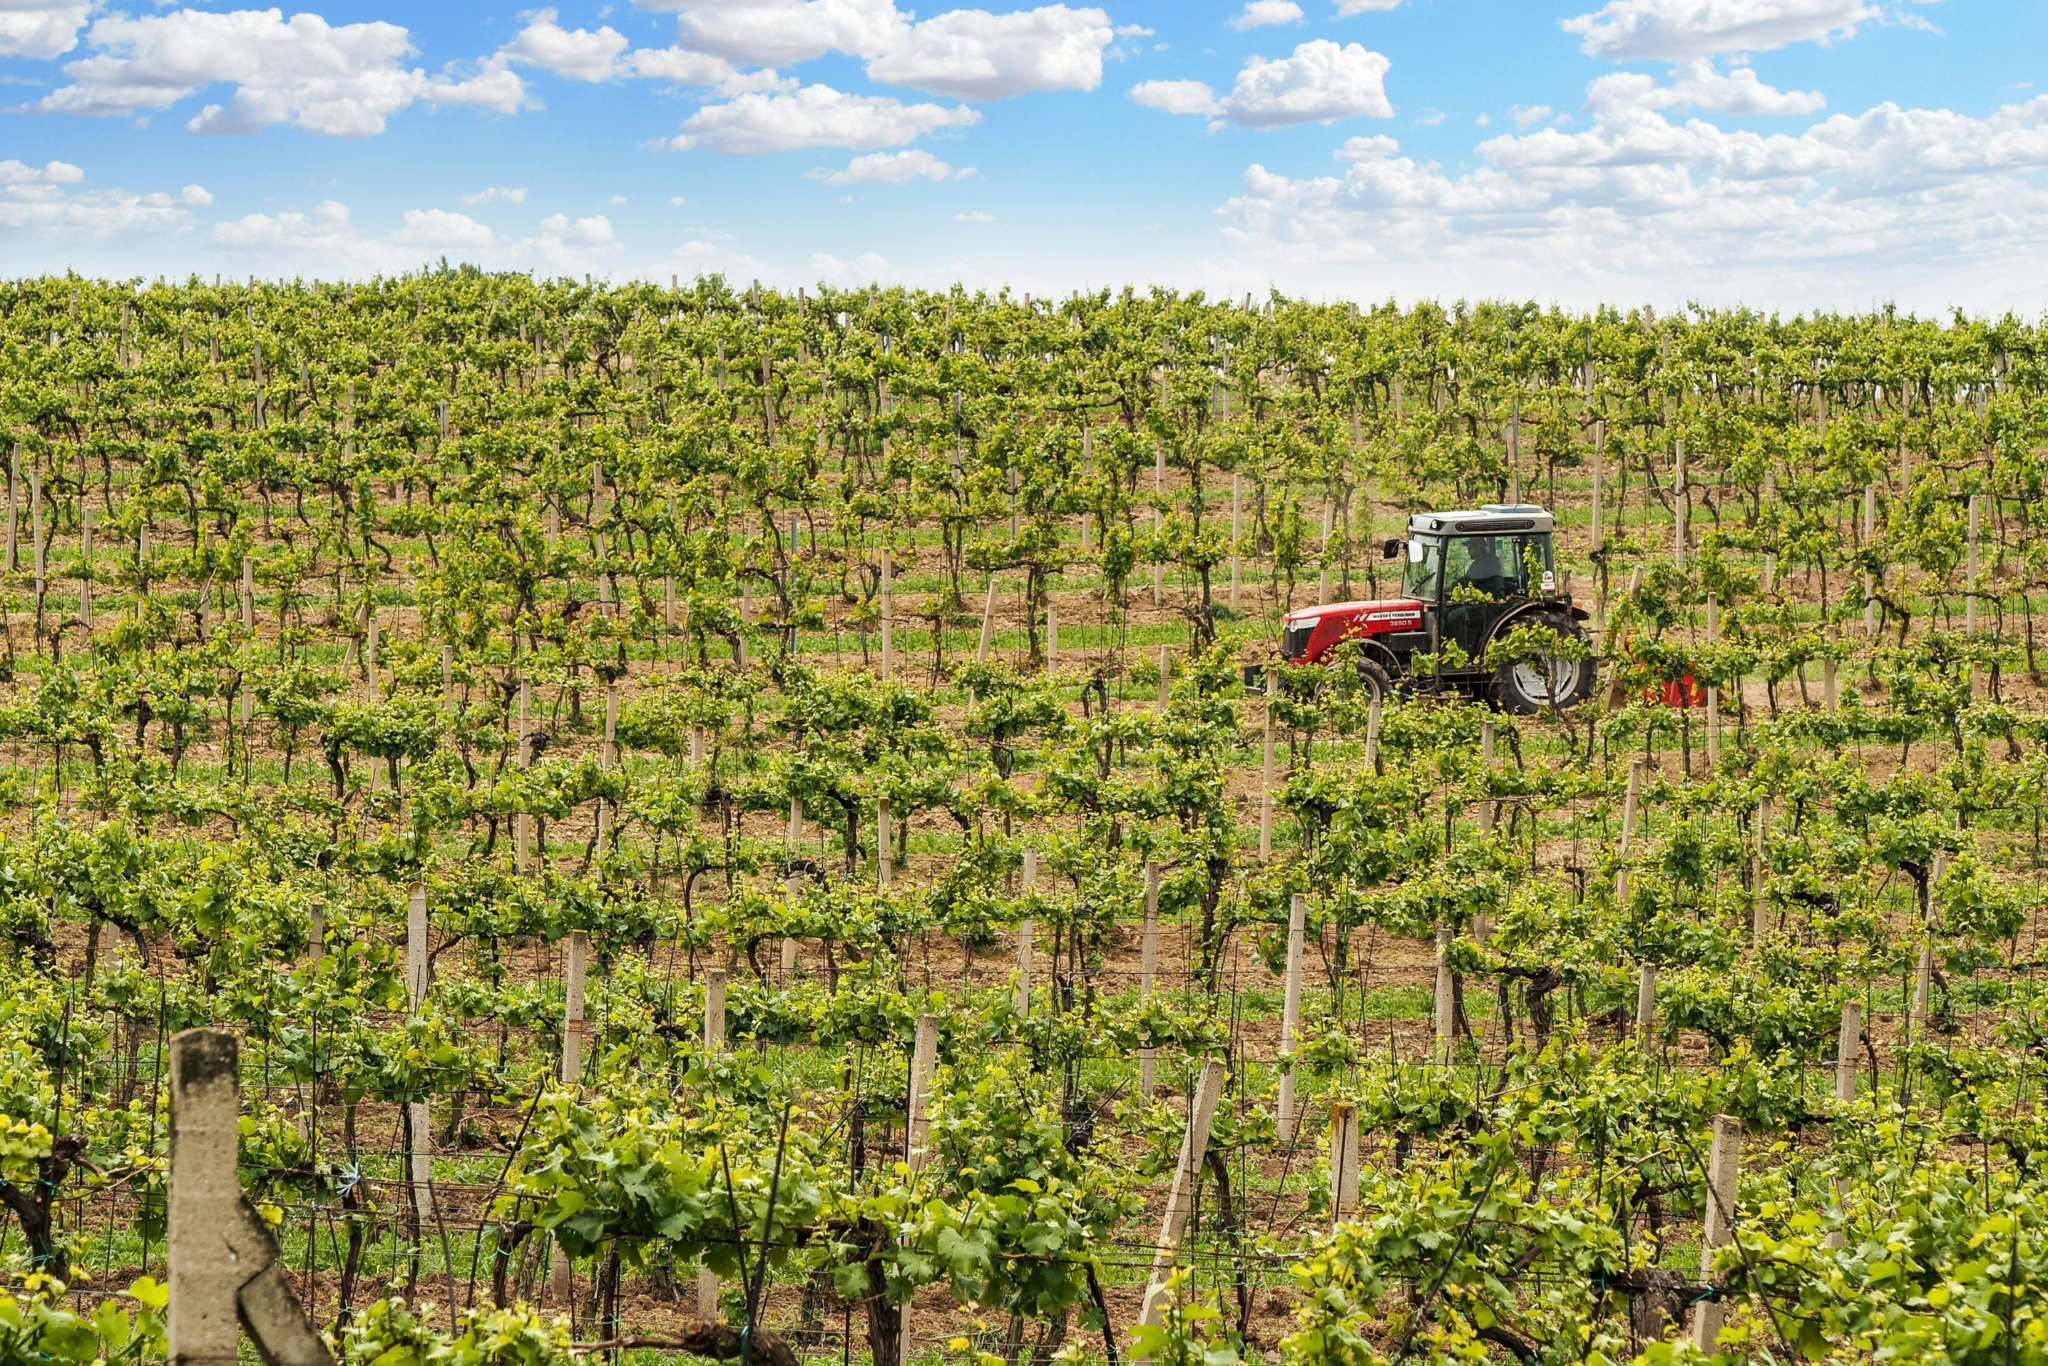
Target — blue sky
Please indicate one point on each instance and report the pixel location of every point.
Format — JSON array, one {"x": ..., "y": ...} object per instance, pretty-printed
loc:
[{"x": 1782, "y": 153}]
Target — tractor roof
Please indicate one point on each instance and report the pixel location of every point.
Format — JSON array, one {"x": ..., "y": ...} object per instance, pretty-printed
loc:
[{"x": 1493, "y": 518}]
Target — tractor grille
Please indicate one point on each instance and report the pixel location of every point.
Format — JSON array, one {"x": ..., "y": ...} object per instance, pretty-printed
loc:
[{"x": 1294, "y": 644}]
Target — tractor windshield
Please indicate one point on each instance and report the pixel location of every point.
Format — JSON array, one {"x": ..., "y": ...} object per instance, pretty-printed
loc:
[
  {"x": 1425, "y": 567},
  {"x": 1499, "y": 566}
]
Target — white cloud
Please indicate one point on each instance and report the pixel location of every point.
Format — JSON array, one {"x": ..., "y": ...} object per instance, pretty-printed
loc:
[
  {"x": 814, "y": 116},
  {"x": 579, "y": 54},
  {"x": 39, "y": 30},
  {"x": 1697, "y": 84},
  {"x": 35, "y": 201},
  {"x": 1886, "y": 201},
  {"x": 1672, "y": 30},
  {"x": 329, "y": 236},
  {"x": 342, "y": 80},
  {"x": 507, "y": 193},
  {"x": 1134, "y": 31},
  {"x": 780, "y": 32},
  {"x": 1175, "y": 97},
  {"x": 890, "y": 168},
  {"x": 974, "y": 55},
  {"x": 1320, "y": 83},
  {"x": 1375, "y": 148},
  {"x": 676, "y": 201},
  {"x": 1259, "y": 13},
  {"x": 15, "y": 175},
  {"x": 1485, "y": 120},
  {"x": 1347, "y": 8},
  {"x": 605, "y": 54},
  {"x": 616, "y": 199},
  {"x": 967, "y": 53},
  {"x": 974, "y": 216},
  {"x": 440, "y": 228},
  {"x": 1535, "y": 114},
  {"x": 863, "y": 269}
]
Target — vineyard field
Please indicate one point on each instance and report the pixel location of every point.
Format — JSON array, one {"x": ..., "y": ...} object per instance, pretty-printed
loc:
[{"x": 776, "y": 826}]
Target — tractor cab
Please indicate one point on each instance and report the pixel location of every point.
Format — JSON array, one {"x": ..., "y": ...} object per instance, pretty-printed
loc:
[{"x": 1468, "y": 579}]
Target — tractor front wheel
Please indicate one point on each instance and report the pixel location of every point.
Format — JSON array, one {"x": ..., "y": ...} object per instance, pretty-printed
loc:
[
  {"x": 1379, "y": 686},
  {"x": 1528, "y": 685}
]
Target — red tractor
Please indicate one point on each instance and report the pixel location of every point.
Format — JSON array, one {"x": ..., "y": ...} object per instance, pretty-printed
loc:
[{"x": 1470, "y": 579}]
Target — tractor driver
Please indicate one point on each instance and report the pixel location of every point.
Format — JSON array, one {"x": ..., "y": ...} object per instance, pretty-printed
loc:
[{"x": 1483, "y": 572}]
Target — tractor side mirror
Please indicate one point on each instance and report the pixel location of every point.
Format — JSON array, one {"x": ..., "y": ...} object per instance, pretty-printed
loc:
[
  {"x": 1415, "y": 552},
  {"x": 1391, "y": 550}
]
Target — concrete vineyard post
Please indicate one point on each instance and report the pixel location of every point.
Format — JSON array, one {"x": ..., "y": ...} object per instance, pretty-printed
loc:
[
  {"x": 1343, "y": 1159},
  {"x": 1724, "y": 1164},
  {"x": 1848, "y": 1048},
  {"x": 1646, "y": 1001},
  {"x": 1180, "y": 1196},
  {"x": 225, "y": 1270},
  {"x": 248, "y": 593},
  {"x": 1829, "y": 690},
  {"x": 1165, "y": 679},
  {"x": 714, "y": 1043},
  {"x": 1629, "y": 802},
  {"x": 924, "y": 1066},
  {"x": 1486, "y": 757},
  {"x": 988, "y": 624},
  {"x": 1446, "y": 1006},
  {"x": 416, "y": 945},
  {"x": 1148, "y": 966},
  {"x": 1290, "y": 1015},
  {"x": 1923, "y": 983},
  {"x": 714, "y": 1010}
]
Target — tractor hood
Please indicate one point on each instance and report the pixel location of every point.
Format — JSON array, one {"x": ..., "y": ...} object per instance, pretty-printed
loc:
[{"x": 1309, "y": 632}]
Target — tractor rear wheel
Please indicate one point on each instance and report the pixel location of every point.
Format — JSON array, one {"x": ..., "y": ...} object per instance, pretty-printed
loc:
[{"x": 1529, "y": 685}]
